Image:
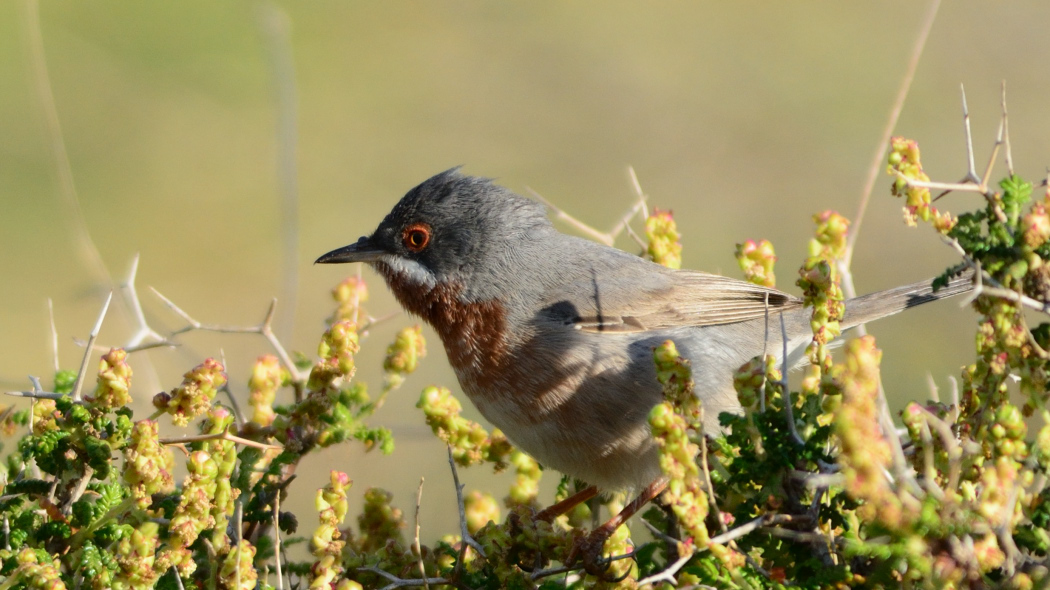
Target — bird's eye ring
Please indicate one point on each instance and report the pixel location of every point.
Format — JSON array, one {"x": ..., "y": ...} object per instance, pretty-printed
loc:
[{"x": 416, "y": 237}]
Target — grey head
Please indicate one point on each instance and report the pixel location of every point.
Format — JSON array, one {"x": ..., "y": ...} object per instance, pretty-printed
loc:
[{"x": 452, "y": 229}]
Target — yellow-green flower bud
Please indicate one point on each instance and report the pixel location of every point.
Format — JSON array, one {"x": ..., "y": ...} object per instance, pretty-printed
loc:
[
  {"x": 194, "y": 397},
  {"x": 239, "y": 565},
  {"x": 662, "y": 233},
  {"x": 148, "y": 465},
  {"x": 337, "y": 348},
  {"x": 904, "y": 163},
  {"x": 403, "y": 355},
  {"x": 349, "y": 294},
  {"x": 114, "y": 380},
  {"x": 480, "y": 509}
]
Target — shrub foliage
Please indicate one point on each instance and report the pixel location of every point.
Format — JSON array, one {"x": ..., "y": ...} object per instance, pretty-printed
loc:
[{"x": 811, "y": 486}]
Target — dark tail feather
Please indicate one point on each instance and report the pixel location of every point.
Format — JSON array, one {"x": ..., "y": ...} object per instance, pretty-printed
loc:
[{"x": 867, "y": 308}]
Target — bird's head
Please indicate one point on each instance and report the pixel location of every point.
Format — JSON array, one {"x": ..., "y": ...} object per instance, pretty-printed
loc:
[{"x": 451, "y": 230}]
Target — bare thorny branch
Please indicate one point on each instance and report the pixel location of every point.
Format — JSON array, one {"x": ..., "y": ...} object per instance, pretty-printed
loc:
[{"x": 623, "y": 225}]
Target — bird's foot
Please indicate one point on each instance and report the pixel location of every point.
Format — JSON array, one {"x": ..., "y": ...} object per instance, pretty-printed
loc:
[{"x": 587, "y": 552}]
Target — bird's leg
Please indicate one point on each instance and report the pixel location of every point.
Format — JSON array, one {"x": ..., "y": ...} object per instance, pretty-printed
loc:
[
  {"x": 589, "y": 549},
  {"x": 555, "y": 510},
  {"x": 548, "y": 515}
]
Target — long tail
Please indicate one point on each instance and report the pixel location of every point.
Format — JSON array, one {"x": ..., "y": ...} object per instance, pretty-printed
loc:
[{"x": 867, "y": 308}]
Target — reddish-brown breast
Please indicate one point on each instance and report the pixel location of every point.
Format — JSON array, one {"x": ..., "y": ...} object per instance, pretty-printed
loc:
[{"x": 473, "y": 333}]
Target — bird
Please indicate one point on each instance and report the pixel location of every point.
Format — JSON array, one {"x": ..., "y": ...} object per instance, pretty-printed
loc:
[{"x": 551, "y": 336}]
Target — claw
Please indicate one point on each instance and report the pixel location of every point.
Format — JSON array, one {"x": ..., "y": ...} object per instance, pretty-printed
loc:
[{"x": 587, "y": 551}]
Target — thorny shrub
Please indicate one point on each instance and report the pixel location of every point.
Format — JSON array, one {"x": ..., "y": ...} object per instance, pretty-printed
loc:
[{"x": 812, "y": 488}]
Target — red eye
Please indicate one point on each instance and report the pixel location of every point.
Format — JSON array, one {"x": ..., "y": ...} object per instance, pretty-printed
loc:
[{"x": 416, "y": 237}]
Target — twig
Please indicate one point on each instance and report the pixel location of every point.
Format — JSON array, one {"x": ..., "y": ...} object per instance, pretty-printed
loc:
[
  {"x": 947, "y": 186},
  {"x": 238, "y": 519},
  {"x": 1014, "y": 296},
  {"x": 802, "y": 536},
  {"x": 1006, "y": 134},
  {"x": 79, "y": 489},
  {"x": 396, "y": 582},
  {"x": 818, "y": 480},
  {"x": 582, "y": 227},
  {"x": 79, "y": 383},
  {"x": 668, "y": 573},
  {"x": 238, "y": 414},
  {"x": 956, "y": 404},
  {"x": 131, "y": 298},
  {"x": 740, "y": 531},
  {"x": 277, "y": 537},
  {"x": 884, "y": 140},
  {"x": 415, "y": 540},
  {"x": 996, "y": 290},
  {"x": 660, "y": 535},
  {"x": 37, "y": 394},
  {"x": 707, "y": 476},
  {"x": 606, "y": 238},
  {"x": 788, "y": 409},
  {"x": 935, "y": 393},
  {"x": 971, "y": 170},
  {"x": 765, "y": 352},
  {"x": 536, "y": 575},
  {"x": 930, "y": 470},
  {"x": 951, "y": 446},
  {"x": 642, "y": 205},
  {"x": 224, "y": 435},
  {"x": 467, "y": 538},
  {"x": 54, "y": 334},
  {"x": 264, "y": 328},
  {"x": 901, "y": 468}
]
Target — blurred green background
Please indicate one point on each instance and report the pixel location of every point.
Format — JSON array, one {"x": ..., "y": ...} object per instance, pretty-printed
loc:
[{"x": 745, "y": 118}]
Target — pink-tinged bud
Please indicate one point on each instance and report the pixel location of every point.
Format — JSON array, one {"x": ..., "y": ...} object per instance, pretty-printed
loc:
[
  {"x": 829, "y": 241},
  {"x": 756, "y": 259},
  {"x": 905, "y": 164},
  {"x": 1036, "y": 226}
]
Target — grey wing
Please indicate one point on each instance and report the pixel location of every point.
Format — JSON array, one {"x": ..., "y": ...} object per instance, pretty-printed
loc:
[{"x": 616, "y": 302}]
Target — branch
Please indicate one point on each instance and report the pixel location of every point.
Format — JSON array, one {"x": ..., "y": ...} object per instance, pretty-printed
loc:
[
  {"x": 608, "y": 237},
  {"x": 224, "y": 435},
  {"x": 79, "y": 383},
  {"x": 396, "y": 582},
  {"x": 467, "y": 538},
  {"x": 884, "y": 140},
  {"x": 265, "y": 328}
]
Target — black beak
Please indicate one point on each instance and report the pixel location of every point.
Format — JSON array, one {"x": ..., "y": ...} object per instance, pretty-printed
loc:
[{"x": 360, "y": 251}]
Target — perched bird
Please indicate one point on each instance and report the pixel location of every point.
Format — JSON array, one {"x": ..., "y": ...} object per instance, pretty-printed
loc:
[{"x": 551, "y": 336}]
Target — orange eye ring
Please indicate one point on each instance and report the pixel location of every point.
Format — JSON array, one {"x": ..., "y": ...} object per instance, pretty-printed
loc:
[{"x": 416, "y": 237}]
